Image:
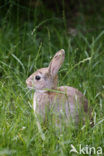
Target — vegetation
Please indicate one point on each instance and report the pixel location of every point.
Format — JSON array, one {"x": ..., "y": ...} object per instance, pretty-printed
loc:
[{"x": 27, "y": 42}]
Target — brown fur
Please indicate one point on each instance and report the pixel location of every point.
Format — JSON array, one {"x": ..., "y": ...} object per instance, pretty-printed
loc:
[{"x": 63, "y": 99}]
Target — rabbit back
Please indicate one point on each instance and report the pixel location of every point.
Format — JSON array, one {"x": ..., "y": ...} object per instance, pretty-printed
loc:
[{"x": 66, "y": 100}]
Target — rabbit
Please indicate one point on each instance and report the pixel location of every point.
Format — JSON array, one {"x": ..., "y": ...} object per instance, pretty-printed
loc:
[{"x": 61, "y": 100}]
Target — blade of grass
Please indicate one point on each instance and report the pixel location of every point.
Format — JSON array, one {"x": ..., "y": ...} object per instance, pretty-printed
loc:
[{"x": 19, "y": 61}]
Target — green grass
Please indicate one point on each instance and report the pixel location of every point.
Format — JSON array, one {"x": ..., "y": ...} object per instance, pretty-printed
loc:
[{"x": 28, "y": 46}]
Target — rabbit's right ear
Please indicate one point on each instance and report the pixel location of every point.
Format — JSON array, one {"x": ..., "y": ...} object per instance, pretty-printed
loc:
[{"x": 56, "y": 62}]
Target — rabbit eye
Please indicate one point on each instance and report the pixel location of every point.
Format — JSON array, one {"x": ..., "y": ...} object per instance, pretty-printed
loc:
[{"x": 37, "y": 77}]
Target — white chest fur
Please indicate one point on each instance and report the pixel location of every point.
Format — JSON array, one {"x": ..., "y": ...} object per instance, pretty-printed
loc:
[
  {"x": 38, "y": 98},
  {"x": 34, "y": 102}
]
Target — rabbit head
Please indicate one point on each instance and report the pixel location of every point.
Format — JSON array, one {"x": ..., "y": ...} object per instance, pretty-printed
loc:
[{"x": 46, "y": 78}]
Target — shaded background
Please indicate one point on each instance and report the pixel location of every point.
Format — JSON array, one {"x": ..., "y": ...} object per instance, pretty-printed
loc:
[{"x": 72, "y": 10}]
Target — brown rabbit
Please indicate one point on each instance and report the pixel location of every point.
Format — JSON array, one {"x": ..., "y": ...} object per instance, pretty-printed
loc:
[{"x": 61, "y": 100}]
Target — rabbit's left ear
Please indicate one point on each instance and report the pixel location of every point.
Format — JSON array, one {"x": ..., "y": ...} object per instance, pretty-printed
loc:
[{"x": 56, "y": 62}]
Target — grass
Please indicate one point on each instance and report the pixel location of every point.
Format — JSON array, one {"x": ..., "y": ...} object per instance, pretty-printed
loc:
[{"x": 28, "y": 46}]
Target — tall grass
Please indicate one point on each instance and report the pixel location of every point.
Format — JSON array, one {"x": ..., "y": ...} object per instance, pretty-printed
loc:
[{"x": 27, "y": 46}]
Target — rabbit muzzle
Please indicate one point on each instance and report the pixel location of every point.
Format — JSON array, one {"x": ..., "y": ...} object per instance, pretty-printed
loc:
[{"x": 29, "y": 83}]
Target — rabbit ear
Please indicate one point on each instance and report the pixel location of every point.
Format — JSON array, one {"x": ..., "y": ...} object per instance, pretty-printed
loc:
[{"x": 56, "y": 62}]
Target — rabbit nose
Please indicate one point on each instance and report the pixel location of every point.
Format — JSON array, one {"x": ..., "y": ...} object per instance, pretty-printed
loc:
[{"x": 29, "y": 83}]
